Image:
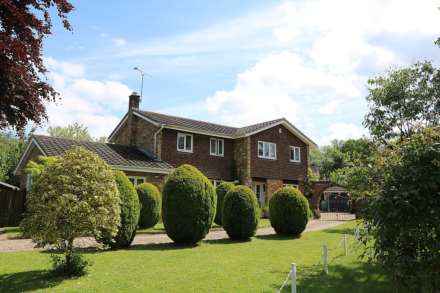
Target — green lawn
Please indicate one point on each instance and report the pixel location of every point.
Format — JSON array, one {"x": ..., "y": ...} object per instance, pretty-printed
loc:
[
  {"x": 214, "y": 266},
  {"x": 263, "y": 223}
]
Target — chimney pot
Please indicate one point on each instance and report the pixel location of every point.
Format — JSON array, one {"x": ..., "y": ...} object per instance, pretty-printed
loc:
[{"x": 133, "y": 101}]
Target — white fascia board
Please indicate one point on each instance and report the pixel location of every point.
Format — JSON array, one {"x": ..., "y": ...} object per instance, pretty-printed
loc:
[
  {"x": 32, "y": 143},
  {"x": 118, "y": 126},
  {"x": 143, "y": 169}
]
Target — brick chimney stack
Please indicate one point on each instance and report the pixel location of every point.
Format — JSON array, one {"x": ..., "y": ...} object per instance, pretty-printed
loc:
[{"x": 133, "y": 101}]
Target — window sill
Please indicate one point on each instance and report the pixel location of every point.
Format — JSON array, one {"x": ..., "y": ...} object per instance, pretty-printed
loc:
[
  {"x": 294, "y": 161},
  {"x": 187, "y": 152},
  {"x": 267, "y": 158}
]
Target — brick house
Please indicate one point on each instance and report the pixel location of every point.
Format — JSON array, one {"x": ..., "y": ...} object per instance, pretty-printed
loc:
[{"x": 148, "y": 145}]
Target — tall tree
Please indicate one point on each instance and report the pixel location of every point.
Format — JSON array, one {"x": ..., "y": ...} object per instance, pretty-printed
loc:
[
  {"x": 23, "y": 87},
  {"x": 403, "y": 101},
  {"x": 74, "y": 131}
]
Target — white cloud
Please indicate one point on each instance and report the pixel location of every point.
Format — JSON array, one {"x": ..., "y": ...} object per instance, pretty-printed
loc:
[
  {"x": 342, "y": 131},
  {"x": 329, "y": 107},
  {"x": 91, "y": 102}
]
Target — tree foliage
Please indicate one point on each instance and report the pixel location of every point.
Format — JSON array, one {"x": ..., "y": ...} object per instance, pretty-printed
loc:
[
  {"x": 404, "y": 217},
  {"x": 403, "y": 101},
  {"x": 74, "y": 196},
  {"x": 23, "y": 88},
  {"x": 75, "y": 131},
  {"x": 11, "y": 148}
]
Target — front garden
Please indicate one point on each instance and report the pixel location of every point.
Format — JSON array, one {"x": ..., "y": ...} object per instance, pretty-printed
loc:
[{"x": 260, "y": 265}]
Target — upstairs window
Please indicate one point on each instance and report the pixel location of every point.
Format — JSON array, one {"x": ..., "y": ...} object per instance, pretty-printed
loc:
[
  {"x": 216, "y": 147},
  {"x": 267, "y": 150},
  {"x": 290, "y": 185},
  {"x": 185, "y": 142},
  {"x": 295, "y": 154}
]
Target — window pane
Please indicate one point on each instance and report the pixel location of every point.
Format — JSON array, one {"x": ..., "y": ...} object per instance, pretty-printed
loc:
[
  {"x": 213, "y": 146},
  {"x": 292, "y": 154},
  {"x": 297, "y": 154},
  {"x": 181, "y": 142},
  {"x": 260, "y": 149},
  {"x": 271, "y": 150},
  {"x": 140, "y": 181},
  {"x": 266, "y": 150},
  {"x": 220, "y": 146},
  {"x": 188, "y": 142}
]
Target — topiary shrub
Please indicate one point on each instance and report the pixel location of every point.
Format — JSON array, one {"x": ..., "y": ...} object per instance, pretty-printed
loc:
[
  {"x": 130, "y": 209},
  {"x": 240, "y": 213},
  {"x": 188, "y": 205},
  {"x": 289, "y": 211},
  {"x": 150, "y": 200},
  {"x": 221, "y": 191}
]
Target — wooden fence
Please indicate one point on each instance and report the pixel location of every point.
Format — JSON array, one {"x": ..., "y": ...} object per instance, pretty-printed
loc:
[{"x": 11, "y": 207}]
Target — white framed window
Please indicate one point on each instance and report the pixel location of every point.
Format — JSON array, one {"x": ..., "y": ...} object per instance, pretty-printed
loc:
[
  {"x": 267, "y": 150},
  {"x": 216, "y": 147},
  {"x": 290, "y": 185},
  {"x": 185, "y": 142},
  {"x": 295, "y": 154},
  {"x": 136, "y": 180}
]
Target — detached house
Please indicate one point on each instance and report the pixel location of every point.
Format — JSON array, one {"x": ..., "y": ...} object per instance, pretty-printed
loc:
[{"x": 147, "y": 146}]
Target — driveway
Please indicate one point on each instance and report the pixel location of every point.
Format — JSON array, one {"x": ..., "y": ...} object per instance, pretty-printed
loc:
[{"x": 328, "y": 220}]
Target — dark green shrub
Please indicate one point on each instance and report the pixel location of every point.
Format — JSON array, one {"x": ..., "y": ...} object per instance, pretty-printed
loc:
[
  {"x": 221, "y": 191},
  {"x": 188, "y": 205},
  {"x": 240, "y": 213},
  {"x": 74, "y": 265},
  {"x": 289, "y": 211},
  {"x": 150, "y": 200},
  {"x": 359, "y": 207},
  {"x": 130, "y": 209}
]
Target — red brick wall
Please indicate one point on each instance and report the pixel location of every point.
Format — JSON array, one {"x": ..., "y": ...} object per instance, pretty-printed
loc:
[
  {"x": 281, "y": 168},
  {"x": 212, "y": 166}
]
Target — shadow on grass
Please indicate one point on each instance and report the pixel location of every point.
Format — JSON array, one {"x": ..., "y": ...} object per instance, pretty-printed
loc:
[
  {"x": 358, "y": 277},
  {"x": 162, "y": 246},
  {"x": 348, "y": 231},
  {"x": 27, "y": 281},
  {"x": 278, "y": 237}
]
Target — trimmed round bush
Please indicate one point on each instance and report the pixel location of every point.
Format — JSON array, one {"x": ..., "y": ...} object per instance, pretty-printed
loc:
[
  {"x": 240, "y": 213},
  {"x": 150, "y": 200},
  {"x": 130, "y": 209},
  {"x": 188, "y": 205},
  {"x": 288, "y": 211},
  {"x": 221, "y": 191}
]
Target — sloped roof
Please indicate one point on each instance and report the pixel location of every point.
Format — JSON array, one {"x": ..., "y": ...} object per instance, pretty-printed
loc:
[
  {"x": 112, "y": 154},
  {"x": 213, "y": 128}
]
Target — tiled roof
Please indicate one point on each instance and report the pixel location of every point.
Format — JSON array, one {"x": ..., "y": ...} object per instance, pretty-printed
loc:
[
  {"x": 112, "y": 154},
  {"x": 192, "y": 124}
]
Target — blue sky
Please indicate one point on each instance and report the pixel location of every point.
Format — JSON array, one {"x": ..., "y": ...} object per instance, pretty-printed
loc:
[{"x": 235, "y": 62}]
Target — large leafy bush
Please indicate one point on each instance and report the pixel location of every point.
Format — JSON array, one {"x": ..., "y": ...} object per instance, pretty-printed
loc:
[
  {"x": 240, "y": 213},
  {"x": 289, "y": 211},
  {"x": 188, "y": 206},
  {"x": 150, "y": 200},
  {"x": 130, "y": 209},
  {"x": 221, "y": 191},
  {"x": 73, "y": 196},
  {"x": 404, "y": 218}
]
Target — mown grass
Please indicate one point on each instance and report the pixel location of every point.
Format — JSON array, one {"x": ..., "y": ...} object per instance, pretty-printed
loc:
[{"x": 259, "y": 265}]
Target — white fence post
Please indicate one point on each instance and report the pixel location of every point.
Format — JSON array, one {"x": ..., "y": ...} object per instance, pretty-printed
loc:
[
  {"x": 293, "y": 276},
  {"x": 345, "y": 245},
  {"x": 325, "y": 258}
]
